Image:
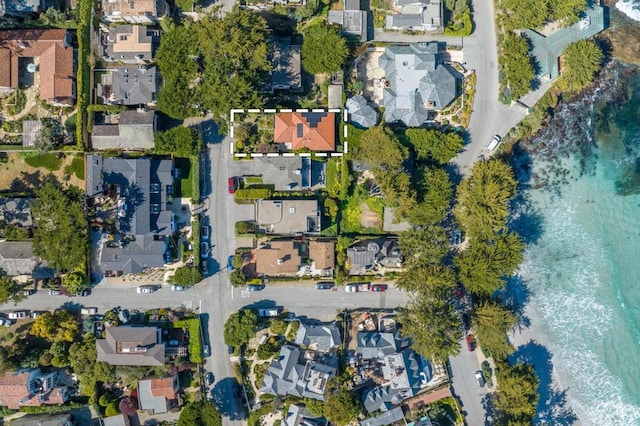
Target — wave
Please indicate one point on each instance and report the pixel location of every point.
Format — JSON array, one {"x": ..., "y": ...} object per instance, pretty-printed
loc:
[{"x": 631, "y": 8}]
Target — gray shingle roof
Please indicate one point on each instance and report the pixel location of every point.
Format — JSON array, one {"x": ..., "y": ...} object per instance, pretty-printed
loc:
[
  {"x": 142, "y": 49},
  {"x": 320, "y": 337},
  {"x": 134, "y": 257},
  {"x": 132, "y": 86},
  {"x": 360, "y": 113},
  {"x": 374, "y": 345},
  {"x": 131, "y": 346},
  {"x": 297, "y": 415},
  {"x": 17, "y": 258},
  {"x": 352, "y": 20},
  {"x": 390, "y": 417},
  {"x": 417, "y": 83},
  {"x": 135, "y": 130},
  {"x": 365, "y": 254}
]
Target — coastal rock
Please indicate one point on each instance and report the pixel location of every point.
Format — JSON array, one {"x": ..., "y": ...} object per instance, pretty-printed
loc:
[{"x": 623, "y": 35}]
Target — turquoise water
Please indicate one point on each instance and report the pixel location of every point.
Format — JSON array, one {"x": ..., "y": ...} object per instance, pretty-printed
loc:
[{"x": 583, "y": 266}]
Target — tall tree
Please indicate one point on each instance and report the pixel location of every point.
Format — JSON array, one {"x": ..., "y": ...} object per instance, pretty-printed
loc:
[
  {"x": 59, "y": 326},
  {"x": 341, "y": 406},
  {"x": 428, "y": 281},
  {"x": 324, "y": 50},
  {"x": 186, "y": 276},
  {"x": 10, "y": 291},
  {"x": 425, "y": 246},
  {"x": 483, "y": 198},
  {"x": 517, "y": 396},
  {"x": 582, "y": 60},
  {"x": 75, "y": 282},
  {"x": 516, "y": 65},
  {"x": 60, "y": 236},
  {"x": 179, "y": 141},
  {"x": 382, "y": 149},
  {"x": 430, "y": 144},
  {"x": 434, "y": 197},
  {"x": 201, "y": 413},
  {"x": 240, "y": 327},
  {"x": 492, "y": 322}
]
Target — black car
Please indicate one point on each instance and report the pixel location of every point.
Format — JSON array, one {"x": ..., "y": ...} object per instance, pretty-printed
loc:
[
  {"x": 208, "y": 379},
  {"x": 325, "y": 285},
  {"x": 230, "y": 350}
]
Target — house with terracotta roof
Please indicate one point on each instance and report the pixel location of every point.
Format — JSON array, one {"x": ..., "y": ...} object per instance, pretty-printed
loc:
[
  {"x": 323, "y": 257},
  {"x": 158, "y": 395},
  {"x": 278, "y": 258},
  {"x": 32, "y": 388},
  {"x": 315, "y": 131},
  {"x": 134, "y": 11},
  {"x": 129, "y": 44},
  {"x": 47, "y": 55}
]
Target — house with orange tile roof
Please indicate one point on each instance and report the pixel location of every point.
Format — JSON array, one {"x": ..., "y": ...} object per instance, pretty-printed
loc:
[
  {"x": 47, "y": 56},
  {"x": 278, "y": 258},
  {"x": 323, "y": 257},
  {"x": 32, "y": 388},
  {"x": 315, "y": 131},
  {"x": 158, "y": 395}
]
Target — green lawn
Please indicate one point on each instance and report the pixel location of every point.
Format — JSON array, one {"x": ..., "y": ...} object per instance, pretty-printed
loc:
[
  {"x": 48, "y": 161},
  {"x": 184, "y": 188},
  {"x": 76, "y": 167}
]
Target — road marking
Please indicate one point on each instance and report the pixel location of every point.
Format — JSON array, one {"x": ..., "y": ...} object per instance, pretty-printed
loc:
[
  {"x": 188, "y": 304},
  {"x": 346, "y": 147},
  {"x": 346, "y": 117},
  {"x": 245, "y": 294}
]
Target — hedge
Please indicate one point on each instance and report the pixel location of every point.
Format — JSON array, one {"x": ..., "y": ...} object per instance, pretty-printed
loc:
[
  {"x": 84, "y": 70},
  {"x": 195, "y": 236},
  {"x": 253, "y": 193},
  {"x": 195, "y": 176},
  {"x": 51, "y": 409},
  {"x": 91, "y": 109},
  {"x": 195, "y": 345}
]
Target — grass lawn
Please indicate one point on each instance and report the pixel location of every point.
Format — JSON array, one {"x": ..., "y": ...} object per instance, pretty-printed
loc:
[
  {"x": 49, "y": 161},
  {"x": 185, "y": 183},
  {"x": 76, "y": 167}
]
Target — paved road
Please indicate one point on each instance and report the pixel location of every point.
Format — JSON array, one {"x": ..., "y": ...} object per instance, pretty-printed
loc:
[{"x": 463, "y": 367}]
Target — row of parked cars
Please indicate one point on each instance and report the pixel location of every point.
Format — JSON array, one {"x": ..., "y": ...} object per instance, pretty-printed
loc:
[{"x": 328, "y": 285}]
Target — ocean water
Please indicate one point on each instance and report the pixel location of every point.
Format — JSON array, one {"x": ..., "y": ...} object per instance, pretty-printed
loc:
[
  {"x": 580, "y": 214},
  {"x": 631, "y": 8}
]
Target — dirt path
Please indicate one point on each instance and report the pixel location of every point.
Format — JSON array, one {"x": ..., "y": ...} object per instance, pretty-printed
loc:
[{"x": 369, "y": 218}]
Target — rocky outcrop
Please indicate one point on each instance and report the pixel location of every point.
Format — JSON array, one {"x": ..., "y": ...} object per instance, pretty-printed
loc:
[{"x": 623, "y": 35}]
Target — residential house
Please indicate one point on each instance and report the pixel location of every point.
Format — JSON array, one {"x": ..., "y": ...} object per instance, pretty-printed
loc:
[
  {"x": 17, "y": 260},
  {"x": 285, "y": 59},
  {"x": 288, "y": 217},
  {"x": 405, "y": 375},
  {"x": 292, "y": 374},
  {"x": 130, "y": 44},
  {"x": 20, "y": 8},
  {"x": 278, "y": 258},
  {"x": 134, "y": 130},
  {"x": 318, "y": 337},
  {"x": 352, "y": 19},
  {"x": 297, "y": 415},
  {"x": 416, "y": 83},
  {"x": 32, "y": 388},
  {"x": 548, "y": 44},
  {"x": 131, "y": 346},
  {"x": 293, "y": 173},
  {"x": 323, "y": 258},
  {"x": 16, "y": 211},
  {"x": 390, "y": 417},
  {"x": 45, "y": 53},
  {"x": 376, "y": 345},
  {"x": 158, "y": 395},
  {"x": 133, "y": 85},
  {"x": 416, "y": 15},
  {"x": 141, "y": 189},
  {"x": 374, "y": 256},
  {"x": 119, "y": 420},
  {"x": 134, "y": 11},
  {"x": 315, "y": 131},
  {"x": 361, "y": 114}
]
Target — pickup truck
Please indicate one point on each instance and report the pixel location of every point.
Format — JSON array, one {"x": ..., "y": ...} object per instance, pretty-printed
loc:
[{"x": 356, "y": 287}]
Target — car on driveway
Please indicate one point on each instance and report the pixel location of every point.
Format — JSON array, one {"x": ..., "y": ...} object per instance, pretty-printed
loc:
[
  {"x": 178, "y": 288},
  {"x": 325, "y": 285},
  {"x": 204, "y": 250},
  {"x": 145, "y": 289},
  {"x": 6, "y": 322},
  {"x": 230, "y": 263},
  {"x": 493, "y": 144},
  {"x": 479, "y": 378},
  {"x": 18, "y": 314},
  {"x": 471, "y": 342},
  {"x": 255, "y": 287},
  {"x": 54, "y": 292},
  {"x": 379, "y": 287},
  {"x": 204, "y": 232},
  {"x": 233, "y": 184}
]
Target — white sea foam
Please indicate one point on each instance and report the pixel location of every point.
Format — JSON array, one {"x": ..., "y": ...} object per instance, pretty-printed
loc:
[{"x": 631, "y": 8}]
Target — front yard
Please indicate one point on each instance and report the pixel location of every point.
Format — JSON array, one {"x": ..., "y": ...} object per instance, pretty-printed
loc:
[{"x": 25, "y": 171}]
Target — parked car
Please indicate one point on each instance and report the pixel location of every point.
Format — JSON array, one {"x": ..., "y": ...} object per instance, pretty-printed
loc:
[
  {"x": 230, "y": 350},
  {"x": 208, "y": 379},
  {"x": 36, "y": 314},
  {"x": 204, "y": 232},
  {"x": 18, "y": 314},
  {"x": 471, "y": 342},
  {"x": 53, "y": 292},
  {"x": 255, "y": 287},
  {"x": 379, "y": 287},
  {"x": 28, "y": 291},
  {"x": 204, "y": 265},
  {"x": 204, "y": 250},
  {"x": 493, "y": 144},
  {"x": 233, "y": 184},
  {"x": 178, "y": 288},
  {"x": 354, "y": 288},
  {"x": 84, "y": 293},
  {"x": 144, "y": 289},
  {"x": 325, "y": 285},
  {"x": 479, "y": 378},
  {"x": 270, "y": 312},
  {"x": 89, "y": 311},
  {"x": 230, "y": 263},
  {"x": 205, "y": 350},
  {"x": 5, "y": 322}
]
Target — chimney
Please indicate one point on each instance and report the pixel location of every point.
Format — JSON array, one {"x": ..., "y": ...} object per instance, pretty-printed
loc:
[{"x": 280, "y": 261}]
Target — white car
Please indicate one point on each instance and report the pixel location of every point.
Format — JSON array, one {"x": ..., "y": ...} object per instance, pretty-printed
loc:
[
  {"x": 493, "y": 144},
  {"x": 178, "y": 288},
  {"x": 18, "y": 314},
  {"x": 351, "y": 288},
  {"x": 146, "y": 289},
  {"x": 479, "y": 378},
  {"x": 53, "y": 292}
]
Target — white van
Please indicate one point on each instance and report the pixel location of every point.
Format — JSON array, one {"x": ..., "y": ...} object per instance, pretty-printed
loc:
[
  {"x": 89, "y": 311},
  {"x": 493, "y": 144}
]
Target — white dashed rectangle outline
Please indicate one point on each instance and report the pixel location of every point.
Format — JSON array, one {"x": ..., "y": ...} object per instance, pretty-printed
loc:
[{"x": 240, "y": 111}]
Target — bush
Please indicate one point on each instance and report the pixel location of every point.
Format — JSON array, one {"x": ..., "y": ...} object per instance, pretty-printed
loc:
[
  {"x": 192, "y": 325},
  {"x": 269, "y": 348},
  {"x": 76, "y": 167},
  {"x": 245, "y": 227},
  {"x": 19, "y": 102},
  {"x": 179, "y": 141},
  {"x": 278, "y": 326},
  {"x": 112, "y": 409},
  {"x": 253, "y": 193}
]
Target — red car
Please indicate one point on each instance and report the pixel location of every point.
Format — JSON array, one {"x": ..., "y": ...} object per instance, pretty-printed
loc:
[
  {"x": 471, "y": 342},
  {"x": 232, "y": 185},
  {"x": 379, "y": 287}
]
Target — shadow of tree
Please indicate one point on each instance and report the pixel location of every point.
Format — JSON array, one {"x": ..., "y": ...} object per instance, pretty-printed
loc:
[
  {"x": 227, "y": 396},
  {"x": 30, "y": 181}
]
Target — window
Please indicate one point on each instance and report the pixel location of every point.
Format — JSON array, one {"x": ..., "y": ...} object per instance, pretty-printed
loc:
[{"x": 123, "y": 37}]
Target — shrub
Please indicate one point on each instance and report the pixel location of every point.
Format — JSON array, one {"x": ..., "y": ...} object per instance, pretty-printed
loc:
[
  {"x": 48, "y": 161},
  {"x": 245, "y": 227},
  {"x": 76, "y": 167},
  {"x": 278, "y": 326},
  {"x": 192, "y": 325},
  {"x": 112, "y": 409},
  {"x": 253, "y": 193}
]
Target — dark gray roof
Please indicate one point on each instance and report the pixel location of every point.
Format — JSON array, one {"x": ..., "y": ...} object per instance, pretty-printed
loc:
[
  {"x": 360, "y": 113},
  {"x": 134, "y": 131},
  {"x": 383, "y": 398},
  {"x": 16, "y": 211},
  {"x": 547, "y": 50},
  {"x": 374, "y": 345},
  {"x": 320, "y": 337},
  {"x": 405, "y": 20},
  {"x": 132, "y": 85},
  {"x": 352, "y": 21},
  {"x": 285, "y": 60},
  {"x": 365, "y": 254},
  {"x": 131, "y": 346},
  {"x": 135, "y": 256},
  {"x": 390, "y": 417},
  {"x": 299, "y": 416},
  {"x": 417, "y": 82},
  {"x": 17, "y": 258},
  {"x": 142, "y": 49},
  {"x": 20, "y": 8}
]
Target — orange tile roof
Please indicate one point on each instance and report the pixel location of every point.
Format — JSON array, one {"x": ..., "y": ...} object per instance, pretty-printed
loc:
[
  {"x": 163, "y": 387},
  {"x": 55, "y": 56},
  {"x": 267, "y": 258},
  {"x": 13, "y": 389},
  {"x": 312, "y": 130},
  {"x": 323, "y": 254}
]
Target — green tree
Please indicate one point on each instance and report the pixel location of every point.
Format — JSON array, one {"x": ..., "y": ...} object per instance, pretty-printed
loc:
[
  {"x": 516, "y": 64},
  {"x": 568, "y": 11},
  {"x": 341, "y": 406},
  {"x": 314, "y": 406},
  {"x": 582, "y": 61},
  {"x": 324, "y": 50},
  {"x": 523, "y": 15},
  {"x": 10, "y": 291},
  {"x": 434, "y": 145},
  {"x": 425, "y": 246},
  {"x": 238, "y": 277},
  {"x": 483, "y": 198},
  {"x": 179, "y": 141},
  {"x": 482, "y": 266},
  {"x": 201, "y": 413},
  {"x": 60, "y": 236},
  {"x": 428, "y": 281},
  {"x": 186, "y": 276},
  {"x": 83, "y": 360},
  {"x": 112, "y": 409},
  {"x": 240, "y": 327},
  {"x": 59, "y": 326},
  {"x": 492, "y": 322},
  {"x": 185, "y": 5},
  {"x": 75, "y": 282},
  {"x": 59, "y": 354},
  {"x": 52, "y": 17},
  {"x": 50, "y": 133},
  {"x": 434, "y": 327},
  {"x": 517, "y": 396},
  {"x": 434, "y": 197},
  {"x": 382, "y": 149}
]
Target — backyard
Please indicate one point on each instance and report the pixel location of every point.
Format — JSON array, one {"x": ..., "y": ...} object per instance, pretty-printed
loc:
[{"x": 26, "y": 171}]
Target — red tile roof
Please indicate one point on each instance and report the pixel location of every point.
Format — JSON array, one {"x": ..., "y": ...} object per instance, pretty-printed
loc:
[
  {"x": 13, "y": 389},
  {"x": 312, "y": 130},
  {"x": 163, "y": 387}
]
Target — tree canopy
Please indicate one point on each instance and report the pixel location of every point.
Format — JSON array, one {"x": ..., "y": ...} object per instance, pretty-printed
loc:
[
  {"x": 75, "y": 282},
  {"x": 10, "y": 291},
  {"x": 82, "y": 359},
  {"x": 529, "y": 14},
  {"x": 186, "y": 276},
  {"x": 582, "y": 60},
  {"x": 516, "y": 65},
  {"x": 428, "y": 281},
  {"x": 324, "y": 50},
  {"x": 59, "y": 326},
  {"x": 434, "y": 191},
  {"x": 60, "y": 236},
  {"x": 492, "y": 321},
  {"x": 382, "y": 149},
  {"x": 342, "y": 405},
  {"x": 430, "y": 144},
  {"x": 179, "y": 141},
  {"x": 424, "y": 246},
  {"x": 483, "y": 198},
  {"x": 214, "y": 64},
  {"x": 201, "y": 413},
  {"x": 240, "y": 327},
  {"x": 517, "y": 396}
]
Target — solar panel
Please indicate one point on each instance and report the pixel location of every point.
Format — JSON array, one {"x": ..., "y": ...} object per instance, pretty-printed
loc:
[
  {"x": 313, "y": 118},
  {"x": 299, "y": 129}
]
